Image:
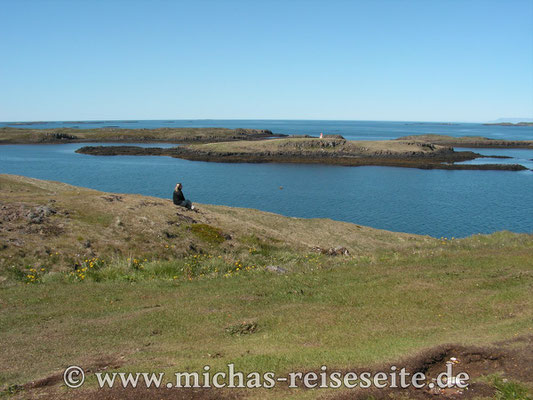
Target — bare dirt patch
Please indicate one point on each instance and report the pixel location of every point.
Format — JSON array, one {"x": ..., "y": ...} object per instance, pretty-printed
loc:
[
  {"x": 513, "y": 359},
  {"x": 99, "y": 364},
  {"x": 153, "y": 394}
]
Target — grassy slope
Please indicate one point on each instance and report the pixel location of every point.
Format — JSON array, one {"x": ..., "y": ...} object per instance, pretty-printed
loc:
[
  {"x": 151, "y": 227},
  {"x": 394, "y": 295}
]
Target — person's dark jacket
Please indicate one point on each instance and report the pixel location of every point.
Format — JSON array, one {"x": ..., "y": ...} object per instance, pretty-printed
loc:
[{"x": 177, "y": 197}]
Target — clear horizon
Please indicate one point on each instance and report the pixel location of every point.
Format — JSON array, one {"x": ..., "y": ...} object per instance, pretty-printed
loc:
[
  {"x": 412, "y": 61},
  {"x": 525, "y": 119}
]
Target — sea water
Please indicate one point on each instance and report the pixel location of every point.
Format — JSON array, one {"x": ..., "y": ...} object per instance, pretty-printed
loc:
[{"x": 431, "y": 202}]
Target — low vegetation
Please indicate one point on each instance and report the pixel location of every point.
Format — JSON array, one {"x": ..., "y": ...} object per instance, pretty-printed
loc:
[{"x": 131, "y": 283}]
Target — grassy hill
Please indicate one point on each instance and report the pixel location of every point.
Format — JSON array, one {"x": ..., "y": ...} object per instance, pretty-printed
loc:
[
  {"x": 121, "y": 282},
  {"x": 42, "y": 217}
]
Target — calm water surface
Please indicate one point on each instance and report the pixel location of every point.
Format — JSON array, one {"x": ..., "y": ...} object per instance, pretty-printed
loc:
[{"x": 433, "y": 202}]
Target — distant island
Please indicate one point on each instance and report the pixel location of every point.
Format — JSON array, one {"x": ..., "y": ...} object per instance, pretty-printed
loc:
[
  {"x": 513, "y": 120},
  {"x": 333, "y": 150},
  {"x": 12, "y": 135}
]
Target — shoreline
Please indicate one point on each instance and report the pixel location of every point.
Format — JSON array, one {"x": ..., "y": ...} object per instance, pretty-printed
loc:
[{"x": 118, "y": 203}]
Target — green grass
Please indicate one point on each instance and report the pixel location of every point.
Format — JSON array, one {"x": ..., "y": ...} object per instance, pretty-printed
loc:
[
  {"x": 342, "y": 312},
  {"x": 509, "y": 390},
  {"x": 208, "y": 233},
  {"x": 93, "y": 218}
]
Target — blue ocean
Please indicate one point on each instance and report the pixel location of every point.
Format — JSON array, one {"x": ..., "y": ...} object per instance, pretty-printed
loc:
[{"x": 429, "y": 202}]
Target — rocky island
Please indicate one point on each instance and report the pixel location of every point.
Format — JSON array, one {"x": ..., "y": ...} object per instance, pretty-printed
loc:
[{"x": 334, "y": 150}]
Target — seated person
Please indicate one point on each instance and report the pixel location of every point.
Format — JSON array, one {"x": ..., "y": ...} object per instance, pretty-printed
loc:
[{"x": 179, "y": 199}]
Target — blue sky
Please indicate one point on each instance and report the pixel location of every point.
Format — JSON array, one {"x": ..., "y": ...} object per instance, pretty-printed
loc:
[{"x": 357, "y": 60}]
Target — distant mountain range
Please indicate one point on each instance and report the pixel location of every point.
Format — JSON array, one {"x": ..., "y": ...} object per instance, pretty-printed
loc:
[{"x": 511, "y": 120}]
